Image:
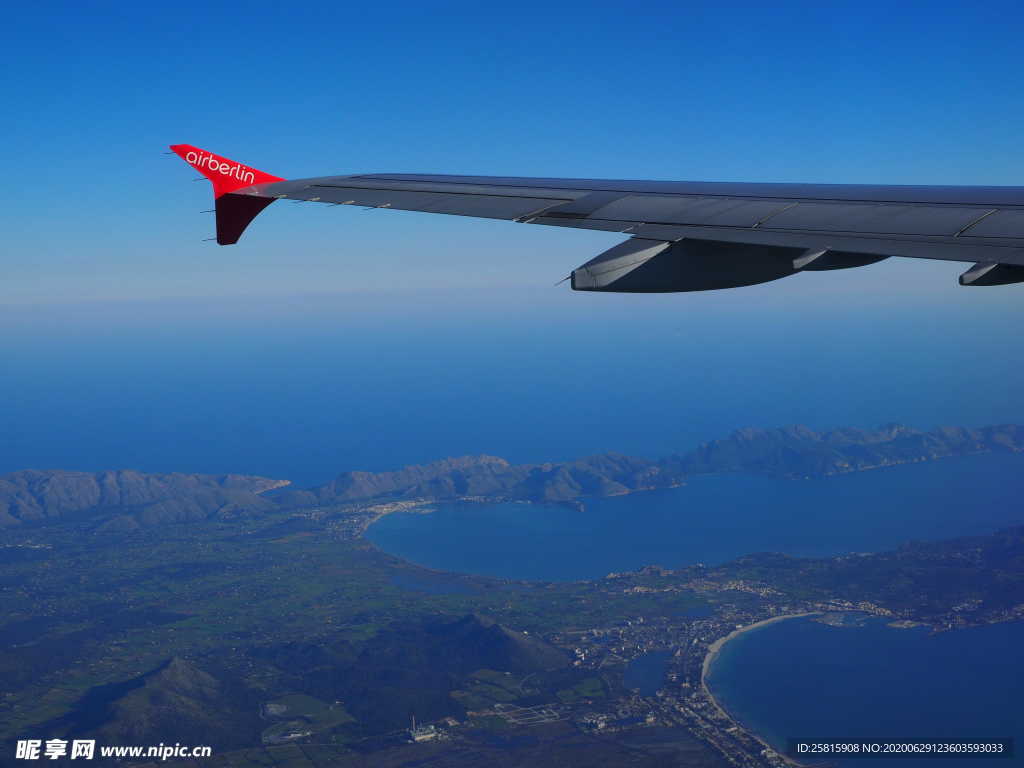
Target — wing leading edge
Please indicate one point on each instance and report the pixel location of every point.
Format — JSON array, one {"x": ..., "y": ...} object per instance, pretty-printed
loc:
[{"x": 684, "y": 236}]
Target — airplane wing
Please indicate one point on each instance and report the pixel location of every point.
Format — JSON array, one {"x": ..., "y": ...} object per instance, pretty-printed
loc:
[{"x": 682, "y": 236}]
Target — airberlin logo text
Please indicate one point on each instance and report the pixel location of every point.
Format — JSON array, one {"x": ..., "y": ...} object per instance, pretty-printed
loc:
[{"x": 200, "y": 160}]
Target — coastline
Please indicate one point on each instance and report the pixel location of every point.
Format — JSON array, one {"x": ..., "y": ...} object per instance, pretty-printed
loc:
[{"x": 715, "y": 649}]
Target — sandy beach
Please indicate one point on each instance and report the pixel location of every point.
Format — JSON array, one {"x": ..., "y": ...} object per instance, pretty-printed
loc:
[{"x": 715, "y": 648}]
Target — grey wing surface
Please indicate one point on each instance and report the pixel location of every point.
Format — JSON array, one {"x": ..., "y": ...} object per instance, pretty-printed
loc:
[{"x": 687, "y": 236}]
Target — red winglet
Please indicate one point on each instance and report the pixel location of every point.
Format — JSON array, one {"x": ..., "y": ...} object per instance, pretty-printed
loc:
[{"x": 226, "y": 175}]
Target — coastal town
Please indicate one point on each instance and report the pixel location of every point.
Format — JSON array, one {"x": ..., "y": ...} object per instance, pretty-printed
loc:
[
  {"x": 684, "y": 698},
  {"x": 690, "y": 644}
]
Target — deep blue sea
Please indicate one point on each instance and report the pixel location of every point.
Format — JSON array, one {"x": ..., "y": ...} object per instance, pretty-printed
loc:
[
  {"x": 713, "y": 519},
  {"x": 804, "y": 679},
  {"x": 307, "y": 387}
]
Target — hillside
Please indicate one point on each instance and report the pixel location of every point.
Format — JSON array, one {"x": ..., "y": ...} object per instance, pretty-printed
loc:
[
  {"x": 798, "y": 451},
  {"x": 177, "y": 701},
  {"x": 603, "y": 475},
  {"x": 125, "y": 498},
  {"x": 795, "y": 451},
  {"x": 413, "y": 667}
]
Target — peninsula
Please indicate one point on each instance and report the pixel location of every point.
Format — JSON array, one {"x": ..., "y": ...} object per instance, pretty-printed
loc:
[{"x": 122, "y": 500}]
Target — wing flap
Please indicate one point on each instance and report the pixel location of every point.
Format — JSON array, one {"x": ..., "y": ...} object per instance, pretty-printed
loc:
[
  {"x": 664, "y": 208},
  {"x": 877, "y": 218},
  {"x": 483, "y": 206},
  {"x": 599, "y": 224}
]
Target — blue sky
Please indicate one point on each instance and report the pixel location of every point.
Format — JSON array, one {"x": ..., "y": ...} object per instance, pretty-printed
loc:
[
  {"x": 833, "y": 92},
  {"x": 332, "y": 338}
]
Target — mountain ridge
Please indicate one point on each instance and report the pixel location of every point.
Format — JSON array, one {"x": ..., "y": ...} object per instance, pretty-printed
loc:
[
  {"x": 130, "y": 498},
  {"x": 126, "y": 499}
]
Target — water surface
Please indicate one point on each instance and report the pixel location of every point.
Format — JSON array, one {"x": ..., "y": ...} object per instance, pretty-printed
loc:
[
  {"x": 715, "y": 519},
  {"x": 306, "y": 387},
  {"x": 647, "y": 672},
  {"x": 803, "y": 679}
]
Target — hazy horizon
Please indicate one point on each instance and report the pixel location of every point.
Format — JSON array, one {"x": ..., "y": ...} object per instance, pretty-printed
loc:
[{"x": 303, "y": 388}]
